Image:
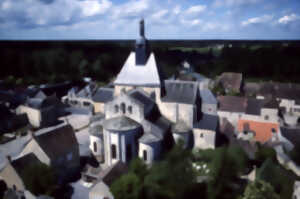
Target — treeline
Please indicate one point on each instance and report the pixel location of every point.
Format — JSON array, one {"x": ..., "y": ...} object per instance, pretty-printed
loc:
[{"x": 49, "y": 62}]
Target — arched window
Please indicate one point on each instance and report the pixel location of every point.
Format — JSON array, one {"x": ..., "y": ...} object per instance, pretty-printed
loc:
[
  {"x": 130, "y": 109},
  {"x": 95, "y": 147},
  {"x": 123, "y": 108},
  {"x": 116, "y": 108}
]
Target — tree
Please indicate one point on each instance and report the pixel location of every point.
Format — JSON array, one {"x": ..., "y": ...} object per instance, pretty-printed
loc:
[
  {"x": 260, "y": 189},
  {"x": 129, "y": 186},
  {"x": 39, "y": 179},
  {"x": 224, "y": 165},
  {"x": 171, "y": 177}
]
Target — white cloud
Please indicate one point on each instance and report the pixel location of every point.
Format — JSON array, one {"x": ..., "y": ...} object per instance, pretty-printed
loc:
[
  {"x": 94, "y": 7},
  {"x": 133, "y": 8},
  {"x": 257, "y": 20},
  {"x": 196, "y": 9},
  {"x": 160, "y": 14},
  {"x": 288, "y": 18},
  {"x": 191, "y": 23},
  {"x": 219, "y": 3},
  {"x": 177, "y": 10},
  {"x": 6, "y": 5}
]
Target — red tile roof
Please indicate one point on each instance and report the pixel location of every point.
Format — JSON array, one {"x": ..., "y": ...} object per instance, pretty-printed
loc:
[{"x": 262, "y": 130}]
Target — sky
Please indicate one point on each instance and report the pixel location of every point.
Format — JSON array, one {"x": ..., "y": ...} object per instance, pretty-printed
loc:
[{"x": 164, "y": 19}]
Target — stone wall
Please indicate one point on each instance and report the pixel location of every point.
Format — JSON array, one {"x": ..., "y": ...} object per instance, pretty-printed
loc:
[
  {"x": 34, "y": 115},
  {"x": 204, "y": 139}
]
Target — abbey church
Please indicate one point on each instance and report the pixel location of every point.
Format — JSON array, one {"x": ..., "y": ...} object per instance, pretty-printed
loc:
[{"x": 146, "y": 111}]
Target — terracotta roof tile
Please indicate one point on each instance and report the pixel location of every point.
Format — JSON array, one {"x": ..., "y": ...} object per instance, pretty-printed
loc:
[{"x": 262, "y": 130}]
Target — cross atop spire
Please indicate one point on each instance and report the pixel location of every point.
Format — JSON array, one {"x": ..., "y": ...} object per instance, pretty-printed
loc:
[{"x": 141, "y": 46}]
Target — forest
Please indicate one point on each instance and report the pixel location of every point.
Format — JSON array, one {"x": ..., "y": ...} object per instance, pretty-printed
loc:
[{"x": 41, "y": 62}]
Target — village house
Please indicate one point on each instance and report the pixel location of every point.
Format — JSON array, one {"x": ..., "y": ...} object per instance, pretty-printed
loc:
[
  {"x": 56, "y": 147},
  {"x": 41, "y": 110},
  {"x": 13, "y": 172}
]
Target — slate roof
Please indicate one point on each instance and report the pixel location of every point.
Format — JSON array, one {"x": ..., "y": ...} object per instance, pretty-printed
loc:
[
  {"x": 120, "y": 123},
  {"x": 280, "y": 90},
  {"x": 207, "y": 97},
  {"x": 40, "y": 95},
  {"x": 139, "y": 75},
  {"x": 23, "y": 162},
  {"x": 152, "y": 132},
  {"x": 292, "y": 134},
  {"x": 207, "y": 122},
  {"x": 232, "y": 104},
  {"x": 103, "y": 95},
  {"x": 262, "y": 130},
  {"x": 254, "y": 106},
  {"x": 88, "y": 91},
  {"x": 113, "y": 172},
  {"x": 40, "y": 103},
  {"x": 96, "y": 130},
  {"x": 56, "y": 141},
  {"x": 141, "y": 97},
  {"x": 180, "y": 92}
]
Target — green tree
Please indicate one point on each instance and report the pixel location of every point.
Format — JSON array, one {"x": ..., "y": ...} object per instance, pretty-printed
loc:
[
  {"x": 171, "y": 177},
  {"x": 129, "y": 186},
  {"x": 260, "y": 189},
  {"x": 39, "y": 179}
]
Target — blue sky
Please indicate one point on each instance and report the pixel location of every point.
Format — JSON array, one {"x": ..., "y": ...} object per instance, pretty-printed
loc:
[{"x": 165, "y": 19}]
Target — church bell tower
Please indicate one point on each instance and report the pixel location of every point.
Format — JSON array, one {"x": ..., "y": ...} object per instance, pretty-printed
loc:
[{"x": 141, "y": 46}]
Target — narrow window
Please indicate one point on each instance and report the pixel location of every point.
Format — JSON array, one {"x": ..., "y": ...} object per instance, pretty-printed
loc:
[
  {"x": 86, "y": 104},
  {"x": 201, "y": 135},
  {"x": 95, "y": 147},
  {"x": 273, "y": 130},
  {"x": 128, "y": 152},
  {"x": 145, "y": 155},
  {"x": 123, "y": 108},
  {"x": 113, "y": 151},
  {"x": 130, "y": 109},
  {"x": 116, "y": 108}
]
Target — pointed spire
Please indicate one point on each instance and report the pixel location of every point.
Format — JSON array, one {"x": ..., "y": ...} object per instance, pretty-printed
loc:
[{"x": 142, "y": 28}]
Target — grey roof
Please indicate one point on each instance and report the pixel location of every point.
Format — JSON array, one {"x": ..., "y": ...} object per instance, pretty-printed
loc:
[
  {"x": 103, "y": 95},
  {"x": 40, "y": 95},
  {"x": 152, "y": 132},
  {"x": 180, "y": 92},
  {"x": 232, "y": 104},
  {"x": 207, "y": 122},
  {"x": 139, "y": 75},
  {"x": 113, "y": 172},
  {"x": 141, "y": 97},
  {"x": 292, "y": 134},
  {"x": 87, "y": 91},
  {"x": 56, "y": 141},
  {"x": 254, "y": 106},
  {"x": 280, "y": 90},
  {"x": 39, "y": 103},
  {"x": 96, "y": 130},
  {"x": 208, "y": 97},
  {"x": 23, "y": 162},
  {"x": 120, "y": 123}
]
